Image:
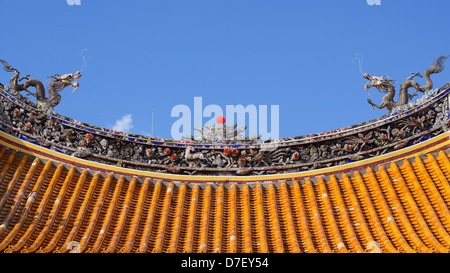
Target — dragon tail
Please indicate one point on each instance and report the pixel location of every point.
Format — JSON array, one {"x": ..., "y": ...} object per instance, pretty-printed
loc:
[
  {"x": 438, "y": 64},
  {"x": 7, "y": 67},
  {"x": 436, "y": 67}
]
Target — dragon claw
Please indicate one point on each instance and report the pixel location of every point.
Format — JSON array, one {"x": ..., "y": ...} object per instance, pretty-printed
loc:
[
  {"x": 27, "y": 77},
  {"x": 371, "y": 103}
]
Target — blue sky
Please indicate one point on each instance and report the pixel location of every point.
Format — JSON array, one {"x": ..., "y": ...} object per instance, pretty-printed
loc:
[{"x": 149, "y": 55}]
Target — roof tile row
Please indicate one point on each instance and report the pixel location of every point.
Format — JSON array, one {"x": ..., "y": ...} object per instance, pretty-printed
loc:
[{"x": 49, "y": 207}]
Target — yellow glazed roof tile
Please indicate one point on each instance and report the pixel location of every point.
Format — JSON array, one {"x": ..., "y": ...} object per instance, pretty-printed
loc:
[{"x": 402, "y": 206}]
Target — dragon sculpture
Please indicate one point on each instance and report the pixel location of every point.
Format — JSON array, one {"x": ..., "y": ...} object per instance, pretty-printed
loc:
[
  {"x": 386, "y": 85},
  {"x": 56, "y": 84}
]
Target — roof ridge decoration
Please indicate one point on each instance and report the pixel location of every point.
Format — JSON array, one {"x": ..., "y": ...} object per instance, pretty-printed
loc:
[
  {"x": 221, "y": 133},
  {"x": 56, "y": 84},
  {"x": 386, "y": 85},
  {"x": 402, "y": 126}
]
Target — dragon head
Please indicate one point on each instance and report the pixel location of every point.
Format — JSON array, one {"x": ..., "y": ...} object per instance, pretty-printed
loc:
[
  {"x": 77, "y": 75},
  {"x": 380, "y": 83}
]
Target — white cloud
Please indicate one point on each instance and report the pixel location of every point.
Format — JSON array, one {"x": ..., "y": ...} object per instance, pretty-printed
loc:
[{"x": 125, "y": 124}]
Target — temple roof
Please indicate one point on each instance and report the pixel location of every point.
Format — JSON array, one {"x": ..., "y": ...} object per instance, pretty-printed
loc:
[
  {"x": 399, "y": 205},
  {"x": 379, "y": 186}
]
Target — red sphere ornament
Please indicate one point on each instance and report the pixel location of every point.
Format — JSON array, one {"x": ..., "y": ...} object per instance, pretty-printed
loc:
[{"x": 220, "y": 120}]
